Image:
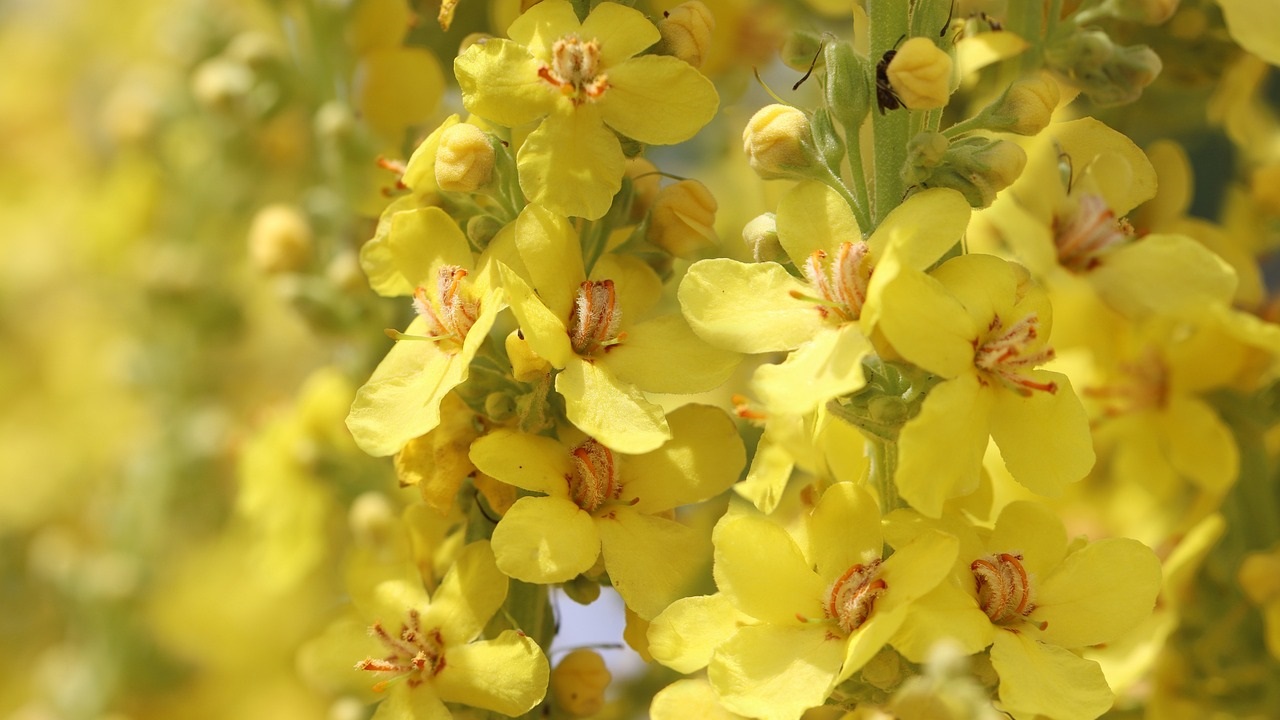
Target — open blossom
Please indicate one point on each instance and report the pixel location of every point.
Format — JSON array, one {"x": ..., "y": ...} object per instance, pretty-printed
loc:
[
  {"x": 581, "y": 81},
  {"x": 788, "y": 625}
]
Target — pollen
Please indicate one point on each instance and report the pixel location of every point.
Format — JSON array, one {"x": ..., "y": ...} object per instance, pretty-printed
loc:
[
  {"x": 450, "y": 311},
  {"x": 1004, "y": 587},
  {"x": 594, "y": 480},
  {"x": 853, "y": 596},
  {"x": 1085, "y": 235},
  {"x": 596, "y": 318},
  {"x": 575, "y": 69},
  {"x": 1008, "y": 353},
  {"x": 842, "y": 283},
  {"x": 414, "y": 655}
]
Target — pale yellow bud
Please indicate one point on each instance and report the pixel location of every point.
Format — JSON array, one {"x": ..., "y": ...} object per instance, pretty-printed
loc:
[
  {"x": 219, "y": 81},
  {"x": 464, "y": 161},
  {"x": 645, "y": 183},
  {"x": 920, "y": 74},
  {"x": 1026, "y": 108},
  {"x": 761, "y": 235},
  {"x": 682, "y": 220},
  {"x": 280, "y": 239},
  {"x": 526, "y": 365},
  {"x": 686, "y": 32},
  {"x": 578, "y": 683},
  {"x": 778, "y": 140}
]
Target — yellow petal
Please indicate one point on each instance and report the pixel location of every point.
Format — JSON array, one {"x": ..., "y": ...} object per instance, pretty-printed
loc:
[
  {"x": 652, "y": 349},
  {"x": 702, "y": 459},
  {"x": 637, "y": 286},
  {"x": 945, "y": 613},
  {"x": 551, "y": 252},
  {"x": 940, "y": 450},
  {"x": 812, "y": 216},
  {"x": 541, "y": 25},
  {"x": 621, "y": 31},
  {"x": 612, "y": 412},
  {"x": 545, "y": 540},
  {"x": 923, "y": 228},
  {"x": 924, "y": 323},
  {"x": 1253, "y": 23},
  {"x": 507, "y": 674},
  {"x": 747, "y": 307},
  {"x": 658, "y": 100},
  {"x": 684, "y": 636},
  {"x": 572, "y": 163},
  {"x": 499, "y": 82},
  {"x": 1199, "y": 444},
  {"x": 651, "y": 561},
  {"x": 405, "y": 703},
  {"x": 1163, "y": 274},
  {"x": 530, "y": 462},
  {"x": 775, "y": 672},
  {"x": 827, "y": 366},
  {"x": 1041, "y": 679},
  {"x": 762, "y": 571},
  {"x": 415, "y": 244},
  {"x": 1098, "y": 593},
  {"x": 689, "y": 698},
  {"x": 1033, "y": 531},
  {"x": 844, "y": 530},
  {"x": 471, "y": 592},
  {"x": 544, "y": 331},
  {"x": 396, "y": 88},
  {"x": 1044, "y": 438}
]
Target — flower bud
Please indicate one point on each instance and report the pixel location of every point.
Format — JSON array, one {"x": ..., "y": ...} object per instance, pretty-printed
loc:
[
  {"x": 686, "y": 32},
  {"x": 280, "y": 239},
  {"x": 1107, "y": 73},
  {"x": 778, "y": 141},
  {"x": 645, "y": 183},
  {"x": 761, "y": 235},
  {"x": 464, "y": 161},
  {"x": 526, "y": 365},
  {"x": 1025, "y": 108},
  {"x": 920, "y": 74},
  {"x": 682, "y": 220},
  {"x": 977, "y": 167},
  {"x": 800, "y": 48},
  {"x": 1147, "y": 12},
  {"x": 219, "y": 82},
  {"x": 578, "y": 683}
]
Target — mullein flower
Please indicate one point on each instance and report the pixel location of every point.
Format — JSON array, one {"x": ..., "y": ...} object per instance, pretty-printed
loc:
[
  {"x": 978, "y": 323},
  {"x": 760, "y": 307},
  {"x": 423, "y": 651},
  {"x": 1036, "y": 599},
  {"x": 789, "y": 625},
  {"x": 582, "y": 81},
  {"x": 597, "y": 333},
  {"x": 456, "y": 306},
  {"x": 597, "y": 501}
]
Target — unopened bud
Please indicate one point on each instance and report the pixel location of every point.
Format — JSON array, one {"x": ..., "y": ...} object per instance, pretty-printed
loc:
[
  {"x": 682, "y": 220},
  {"x": 977, "y": 167},
  {"x": 1107, "y": 73},
  {"x": 686, "y": 32},
  {"x": 1025, "y": 108},
  {"x": 578, "y": 683},
  {"x": 761, "y": 235},
  {"x": 645, "y": 183},
  {"x": 920, "y": 74},
  {"x": 218, "y": 82},
  {"x": 778, "y": 141},
  {"x": 1147, "y": 12},
  {"x": 800, "y": 48},
  {"x": 526, "y": 365},
  {"x": 280, "y": 239},
  {"x": 464, "y": 161}
]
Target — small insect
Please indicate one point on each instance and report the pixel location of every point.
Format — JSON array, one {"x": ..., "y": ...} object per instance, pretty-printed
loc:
[{"x": 886, "y": 98}]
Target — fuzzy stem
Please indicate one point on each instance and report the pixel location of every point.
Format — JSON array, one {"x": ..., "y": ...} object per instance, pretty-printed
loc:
[{"x": 889, "y": 23}]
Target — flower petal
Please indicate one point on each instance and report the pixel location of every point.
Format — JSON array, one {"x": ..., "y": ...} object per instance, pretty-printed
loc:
[
  {"x": 689, "y": 698},
  {"x": 637, "y": 286},
  {"x": 1041, "y": 679},
  {"x": 621, "y": 32},
  {"x": 572, "y": 163},
  {"x": 924, "y": 323},
  {"x": 923, "y": 228},
  {"x": 1033, "y": 531},
  {"x": 658, "y": 100},
  {"x": 1199, "y": 444},
  {"x": 499, "y": 82},
  {"x": 544, "y": 331},
  {"x": 812, "y": 217},
  {"x": 545, "y": 540},
  {"x": 762, "y": 571},
  {"x": 1163, "y": 274},
  {"x": 1098, "y": 593},
  {"x": 507, "y": 674},
  {"x": 747, "y": 307},
  {"x": 940, "y": 450},
  {"x": 947, "y": 613},
  {"x": 471, "y": 592},
  {"x": 540, "y": 26},
  {"x": 827, "y": 366},
  {"x": 406, "y": 703},
  {"x": 652, "y": 349},
  {"x": 530, "y": 462},
  {"x": 1044, "y": 437},
  {"x": 416, "y": 242},
  {"x": 651, "y": 561},
  {"x": 684, "y": 636},
  {"x": 615, "y": 413},
  {"x": 703, "y": 458},
  {"x": 844, "y": 530},
  {"x": 774, "y": 672},
  {"x": 551, "y": 253}
]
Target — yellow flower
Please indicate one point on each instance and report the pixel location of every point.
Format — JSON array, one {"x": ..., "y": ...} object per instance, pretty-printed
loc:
[
  {"x": 584, "y": 81},
  {"x": 595, "y": 332},
  {"x": 788, "y": 626},
  {"x": 979, "y": 324},
  {"x": 600, "y": 501}
]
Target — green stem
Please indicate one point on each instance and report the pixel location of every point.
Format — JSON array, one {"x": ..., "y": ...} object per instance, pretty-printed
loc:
[
  {"x": 862, "y": 204},
  {"x": 884, "y": 465},
  {"x": 889, "y": 23}
]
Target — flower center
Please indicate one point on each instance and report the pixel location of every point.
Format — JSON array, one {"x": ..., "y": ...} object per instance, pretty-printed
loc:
[
  {"x": 842, "y": 284},
  {"x": 450, "y": 311},
  {"x": 414, "y": 654},
  {"x": 1008, "y": 354},
  {"x": 853, "y": 596},
  {"x": 596, "y": 317},
  {"x": 595, "y": 476},
  {"x": 1145, "y": 386},
  {"x": 575, "y": 69},
  {"x": 1083, "y": 237},
  {"x": 1004, "y": 588}
]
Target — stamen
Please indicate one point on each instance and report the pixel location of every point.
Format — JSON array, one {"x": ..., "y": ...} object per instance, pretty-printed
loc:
[
  {"x": 1144, "y": 385},
  {"x": 1004, "y": 587},
  {"x": 842, "y": 284},
  {"x": 1001, "y": 355},
  {"x": 415, "y": 655},
  {"x": 575, "y": 69},
  {"x": 1084, "y": 237},
  {"x": 853, "y": 595},
  {"x": 594, "y": 480},
  {"x": 450, "y": 311},
  {"x": 596, "y": 318}
]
